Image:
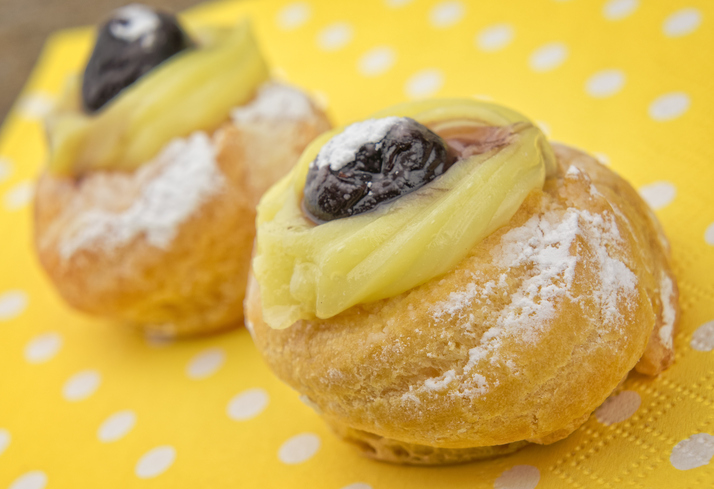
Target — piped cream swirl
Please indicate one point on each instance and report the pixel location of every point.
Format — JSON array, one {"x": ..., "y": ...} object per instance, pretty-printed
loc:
[{"x": 308, "y": 271}]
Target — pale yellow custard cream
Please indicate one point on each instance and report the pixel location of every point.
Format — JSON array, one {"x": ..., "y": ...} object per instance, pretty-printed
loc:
[
  {"x": 194, "y": 90},
  {"x": 307, "y": 270}
]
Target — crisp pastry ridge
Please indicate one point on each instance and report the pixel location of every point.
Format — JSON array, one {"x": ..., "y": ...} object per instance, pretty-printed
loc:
[{"x": 589, "y": 295}]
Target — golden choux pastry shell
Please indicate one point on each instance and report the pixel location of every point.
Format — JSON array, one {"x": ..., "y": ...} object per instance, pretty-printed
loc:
[
  {"x": 196, "y": 282},
  {"x": 521, "y": 342}
]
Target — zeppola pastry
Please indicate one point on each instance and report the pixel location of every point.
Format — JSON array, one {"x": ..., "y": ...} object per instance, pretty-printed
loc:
[
  {"x": 442, "y": 284},
  {"x": 159, "y": 154}
]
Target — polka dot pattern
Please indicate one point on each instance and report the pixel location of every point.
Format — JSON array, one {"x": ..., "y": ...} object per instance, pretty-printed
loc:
[
  {"x": 695, "y": 451},
  {"x": 248, "y": 404},
  {"x": 548, "y": 57},
  {"x": 206, "y": 363},
  {"x": 12, "y": 304},
  {"x": 703, "y": 338},
  {"x": 294, "y": 15},
  {"x": 669, "y": 106},
  {"x": 618, "y": 408},
  {"x": 43, "y": 347},
  {"x": 638, "y": 96},
  {"x": 155, "y": 462},
  {"x": 300, "y": 448},
  {"x": 377, "y": 61},
  {"x": 518, "y": 477},
  {"x": 709, "y": 234},
  {"x": 31, "y": 480},
  {"x": 619, "y": 9},
  {"x": 5, "y": 169},
  {"x": 602, "y": 158},
  {"x": 19, "y": 196},
  {"x": 397, "y": 3},
  {"x": 335, "y": 36},
  {"x": 4, "y": 440},
  {"x": 682, "y": 23},
  {"x": 116, "y": 426},
  {"x": 658, "y": 195},
  {"x": 424, "y": 84},
  {"x": 446, "y": 14},
  {"x": 81, "y": 385},
  {"x": 605, "y": 83},
  {"x": 495, "y": 37}
]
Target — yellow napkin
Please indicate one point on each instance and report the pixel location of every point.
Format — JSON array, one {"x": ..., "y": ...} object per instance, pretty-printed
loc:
[{"x": 86, "y": 404}]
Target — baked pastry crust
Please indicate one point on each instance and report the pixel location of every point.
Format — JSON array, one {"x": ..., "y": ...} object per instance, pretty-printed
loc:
[
  {"x": 196, "y": 284},
  {"x": 522, "y": 341}
]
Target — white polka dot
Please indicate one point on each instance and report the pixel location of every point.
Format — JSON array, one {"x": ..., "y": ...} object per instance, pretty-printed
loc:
[
  {"x": 397, "y": 3},
  {"x": 544, "y": 126},
  {"x": 43, "y": 347},
  {"x": 293, "y": 16},
  {"x": 4, "y": 440},
  {"x": 358, "y": 485},
  {"x": 605, "y": 83},
  {"x": 659, "y": 194},
  {"x": 35, "y": 105},
  {"x": 494, "y": 37},
  {"x": 708, "y": 235},
  {"x": 82, "y": 385},
  {"x": 205, "y": 363},
  {"x": 5, "y": 169},
  {"x": 31, "y": 480},
  {"x": 12, "y": 304},
  {"x": 446, "y": 14},
  {"x": 310, "y": 403},
  {"x": 602, "y": 158},
  {"x": 376, "y": 61},
  {"x": 299, "y": 448},
  {"x": 669, "y": 106},
  {"x": 618, "y": 408},
  {"x": 159, "y": 340},
  {"x": 19, "y": 196},
  {"x": 248, "y": 404},
  {"x": 335, "y": 36},
  {"x": 518, "y": 477},
  {"x": 682, "y": 22},
  {"x": 703, "y": 338},
  {"x": 424, "y": 83},
  {"x": 548, "y": 57},
  {"x": 619, "y": 9},
  {"x": 155, "y": 462},
  {"x": 695, "y": 451},
  {"x": 116, "y": 426}
]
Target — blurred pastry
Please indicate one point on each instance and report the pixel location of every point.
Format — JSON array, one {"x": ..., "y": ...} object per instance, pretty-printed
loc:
[
  {"x": 443, "y": 285},
  {"x": 158, "y": 155}
]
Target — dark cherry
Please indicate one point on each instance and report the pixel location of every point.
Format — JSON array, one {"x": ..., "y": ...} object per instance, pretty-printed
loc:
[
  {"x": 134, "y": 40},
  {"x": 408, "y": 157}
]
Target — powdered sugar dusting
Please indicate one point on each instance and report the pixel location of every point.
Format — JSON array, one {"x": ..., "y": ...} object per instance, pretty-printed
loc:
[
  {"x": 440, "y": 383},
  {"x": 274, "y": 101},
  {"x": 188, "y": 176},
  {"x": 666, "y": 291},
  {"x": 134, "y": 21},
  {"x": 548, "y": 249},
  {"x": 342, "y": 148}
]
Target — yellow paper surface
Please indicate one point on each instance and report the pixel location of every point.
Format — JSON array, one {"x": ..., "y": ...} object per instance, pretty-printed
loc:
[{"x": 626, "y": 80}]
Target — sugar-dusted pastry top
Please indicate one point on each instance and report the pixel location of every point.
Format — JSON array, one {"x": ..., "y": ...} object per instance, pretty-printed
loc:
[
  {"x": 525, "y": 337},
  {"x": 146, "y": 84},
  {"x": 306, "y": 270}
]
